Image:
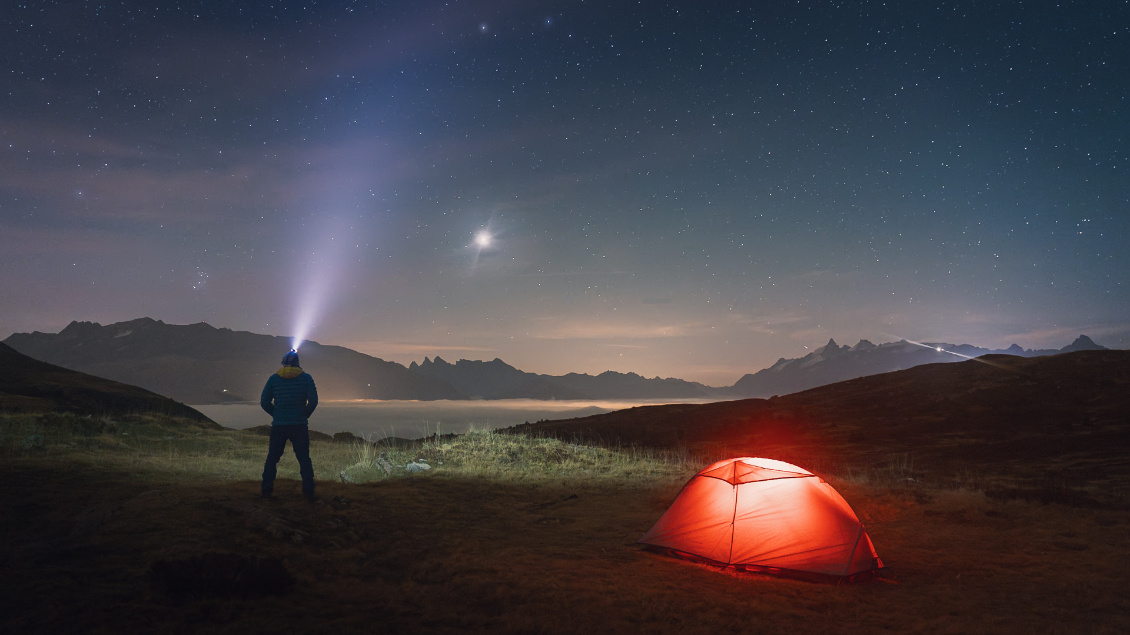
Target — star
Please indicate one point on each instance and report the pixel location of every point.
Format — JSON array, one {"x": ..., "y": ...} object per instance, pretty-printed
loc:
[{"x": 483, "y": 239}]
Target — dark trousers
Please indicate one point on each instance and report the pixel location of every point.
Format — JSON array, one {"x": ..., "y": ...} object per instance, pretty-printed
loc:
[{"x": 299, "y": 437}]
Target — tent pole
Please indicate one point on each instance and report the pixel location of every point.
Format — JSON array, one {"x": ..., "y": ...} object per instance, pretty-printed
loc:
[
  {"x": 734, "y": 517},
  {"x": 851, "y": 556}
]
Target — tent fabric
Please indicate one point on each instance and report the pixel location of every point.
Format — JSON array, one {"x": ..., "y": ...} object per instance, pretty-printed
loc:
[
  {"x": 736, "y": 471},
  {"x": 765, "y": 514}
]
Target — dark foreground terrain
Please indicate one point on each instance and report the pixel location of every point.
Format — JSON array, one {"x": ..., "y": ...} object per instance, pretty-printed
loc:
[
  {"x": 443, "y": 555},
  {"x": 994, "y": 508}
]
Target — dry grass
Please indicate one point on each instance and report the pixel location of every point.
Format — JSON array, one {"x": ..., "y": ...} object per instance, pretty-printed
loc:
[
  {"x": 152, "y": 448},
  {"x": 517, "y": 458},
  {"x": 503, "y": 535}
]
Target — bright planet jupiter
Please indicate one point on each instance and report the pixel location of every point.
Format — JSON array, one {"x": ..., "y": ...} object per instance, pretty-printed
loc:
[{"x": 682, "y": 189}]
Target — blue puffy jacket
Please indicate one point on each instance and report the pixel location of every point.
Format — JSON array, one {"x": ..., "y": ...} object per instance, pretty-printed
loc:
[{"x": 290, "y": 397}]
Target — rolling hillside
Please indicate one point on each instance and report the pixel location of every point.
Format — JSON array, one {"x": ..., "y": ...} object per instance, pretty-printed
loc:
[{"x": 29, "y": 385}]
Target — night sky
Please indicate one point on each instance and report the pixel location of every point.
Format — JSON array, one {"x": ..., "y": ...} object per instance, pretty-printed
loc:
[{"x": 682, "y": 189}]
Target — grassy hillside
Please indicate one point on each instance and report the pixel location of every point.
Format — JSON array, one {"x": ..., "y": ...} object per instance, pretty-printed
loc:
[
  {"x": 999, "y": 422},
  {"x": 29, "y": 385}
]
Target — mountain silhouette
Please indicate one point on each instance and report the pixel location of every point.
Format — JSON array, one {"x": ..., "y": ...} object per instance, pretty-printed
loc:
[
  {"x": 1081, "y": 343},
  {"x": 202, "y": 364},
  {"x": 833, "y": 363},
  {"x": 492, "y": 380},
  {"x": 498, "y": 380}
]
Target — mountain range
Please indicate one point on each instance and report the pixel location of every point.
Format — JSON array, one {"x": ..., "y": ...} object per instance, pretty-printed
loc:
[
  {"x": 202, "y": 364},
  {"x": 498, "y": 380},
  {"x": 833, "y": 363}
]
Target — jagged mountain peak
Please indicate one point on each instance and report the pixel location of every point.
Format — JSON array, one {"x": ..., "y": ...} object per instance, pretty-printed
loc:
[
  {"x": 1083, "y": 343},
  {"x": 863, "y": 345}
]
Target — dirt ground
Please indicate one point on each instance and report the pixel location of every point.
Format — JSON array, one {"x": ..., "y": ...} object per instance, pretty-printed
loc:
[{"x": 86, "y": 551}]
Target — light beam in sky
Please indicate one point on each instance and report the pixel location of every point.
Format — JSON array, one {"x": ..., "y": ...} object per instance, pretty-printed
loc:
[
  {"x": 956, "y": 354},
  {"x": 937, "y": 348},
  {"x": 319, "y": 275}
]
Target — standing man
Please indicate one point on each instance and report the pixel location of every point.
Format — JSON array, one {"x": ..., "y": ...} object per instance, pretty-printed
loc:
[{"x": 290, "y": 398}]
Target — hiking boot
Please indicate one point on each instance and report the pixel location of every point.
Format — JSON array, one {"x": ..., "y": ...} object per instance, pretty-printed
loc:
[{"x": 309, "y": 496}]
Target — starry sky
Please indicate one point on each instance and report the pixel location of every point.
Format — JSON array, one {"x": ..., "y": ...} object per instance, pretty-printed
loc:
[{"x": 678, "y": 189}]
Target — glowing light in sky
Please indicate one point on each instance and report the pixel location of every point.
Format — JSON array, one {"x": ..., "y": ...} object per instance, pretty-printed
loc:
[
  {"x": 939, "y": 349},
  {"x": 482, "y": 242},
  {"x": 318, "y": 278},
  {"x": 310, "y": 301}
]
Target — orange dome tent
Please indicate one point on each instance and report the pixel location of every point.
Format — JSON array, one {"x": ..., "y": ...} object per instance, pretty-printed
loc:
[{"x": 768, "y": 516}]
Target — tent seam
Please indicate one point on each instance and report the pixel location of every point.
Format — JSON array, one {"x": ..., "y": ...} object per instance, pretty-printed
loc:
[
  {"x": 734, "y": 516},
  {"x": 851, "y": 556},
  {"x": 760, "y": 480}
]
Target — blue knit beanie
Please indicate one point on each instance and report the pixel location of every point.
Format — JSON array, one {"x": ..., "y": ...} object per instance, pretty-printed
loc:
[{"x": 290, "y": 359}]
